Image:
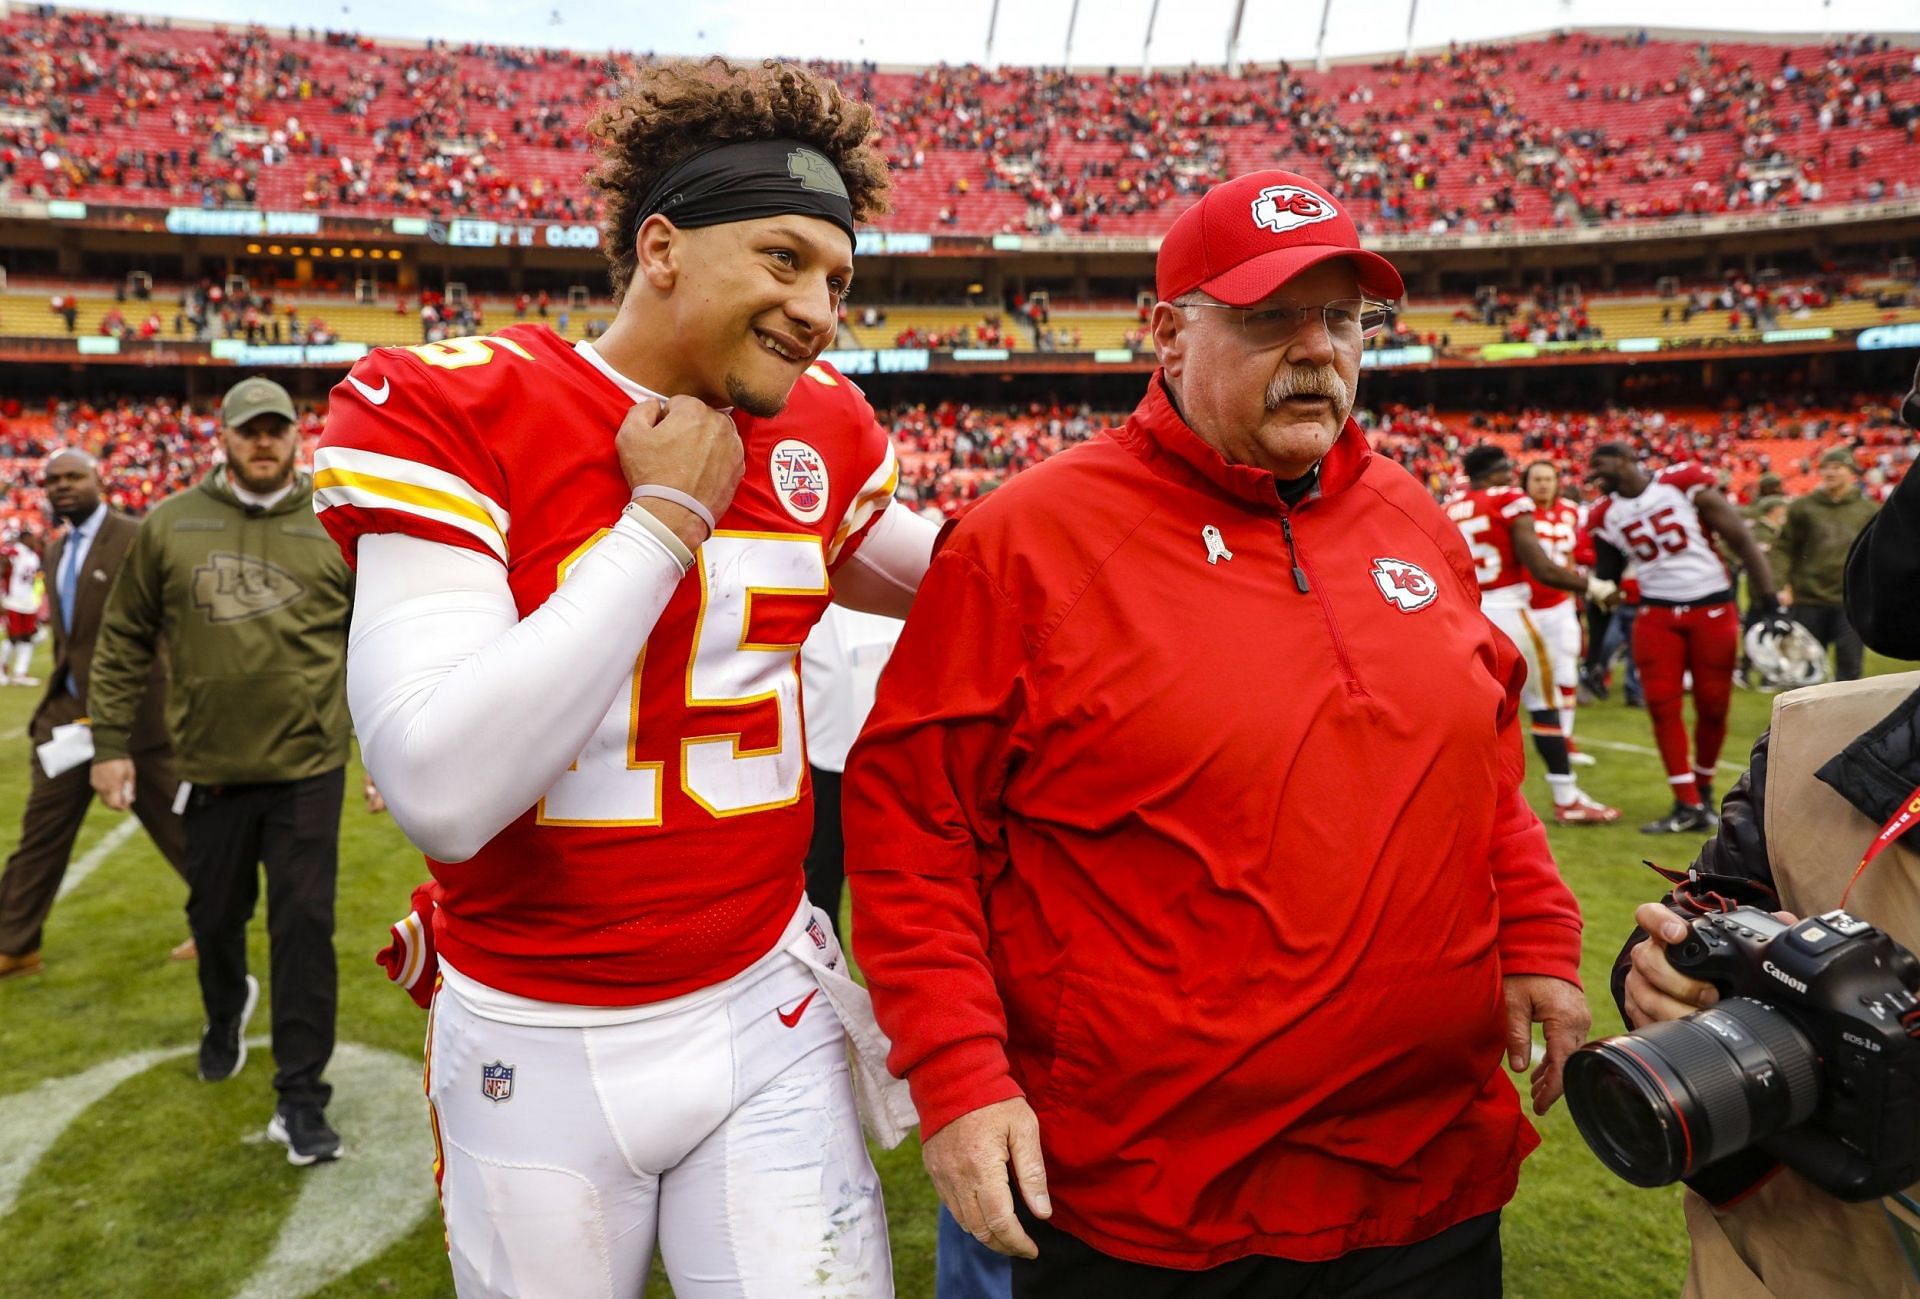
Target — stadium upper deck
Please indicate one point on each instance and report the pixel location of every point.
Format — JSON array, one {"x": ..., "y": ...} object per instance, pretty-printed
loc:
[{"x": 1564, "y": 131}]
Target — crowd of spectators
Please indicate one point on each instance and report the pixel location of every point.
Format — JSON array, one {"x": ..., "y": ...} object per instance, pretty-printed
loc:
[
  {"x": 202, "y": 311},
  {"x": 951, "y": 453},
  {"x": 1569, "y": 129},
  {"x": 148, "y": 449},
  {"x": 988, "y": 331}
]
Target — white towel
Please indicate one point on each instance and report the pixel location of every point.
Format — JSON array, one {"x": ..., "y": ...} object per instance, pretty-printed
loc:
[{"x": 886, "y": 1107}]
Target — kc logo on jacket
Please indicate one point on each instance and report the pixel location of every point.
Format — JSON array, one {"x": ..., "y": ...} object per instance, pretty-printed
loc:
[
  {"x": 1406, "y": 586},
  {"x": 234, "y": 588},
  {"x": 800, "y": 479},
  {"x": 1281, "y": 208}
]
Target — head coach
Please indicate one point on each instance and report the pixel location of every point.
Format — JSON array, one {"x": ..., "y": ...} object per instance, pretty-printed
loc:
[{"x": 1190, "y": 869}]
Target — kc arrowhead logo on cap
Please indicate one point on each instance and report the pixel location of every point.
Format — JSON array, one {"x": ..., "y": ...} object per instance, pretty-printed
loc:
[
  {"x": 1281, "y": 208},
  {"x": 1248, "y": 236}
]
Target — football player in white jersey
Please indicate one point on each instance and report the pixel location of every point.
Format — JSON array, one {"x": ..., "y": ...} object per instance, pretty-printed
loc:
[
  {"x": 21, "y": 601},
  {"x": 1688, "y": 623}
]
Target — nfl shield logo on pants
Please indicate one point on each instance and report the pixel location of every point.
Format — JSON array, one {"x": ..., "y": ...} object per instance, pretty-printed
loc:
[{"x": 496, "y": 1081}]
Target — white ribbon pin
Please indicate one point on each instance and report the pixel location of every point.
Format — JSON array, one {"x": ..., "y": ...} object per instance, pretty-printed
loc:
[{"x": 1216, "y": 544}]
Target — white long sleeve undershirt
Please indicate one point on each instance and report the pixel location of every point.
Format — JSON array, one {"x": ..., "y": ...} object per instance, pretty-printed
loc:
[{"x": 466, "y": 712}]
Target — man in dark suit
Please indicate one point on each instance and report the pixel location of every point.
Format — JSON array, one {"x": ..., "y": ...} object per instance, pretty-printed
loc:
[{"x": 80, "y": 569}]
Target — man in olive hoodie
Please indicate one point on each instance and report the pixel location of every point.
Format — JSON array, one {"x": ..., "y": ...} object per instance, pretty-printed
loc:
[
  {"x": 1811, "y": 555},
  {"x": 251, "y": 599}
]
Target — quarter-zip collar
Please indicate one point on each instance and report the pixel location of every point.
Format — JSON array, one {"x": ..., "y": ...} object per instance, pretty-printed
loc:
[{"x": 1156, "y": 431}]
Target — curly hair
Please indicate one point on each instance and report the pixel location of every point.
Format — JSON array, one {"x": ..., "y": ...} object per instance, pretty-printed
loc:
[{"x": 668, "y": 112}]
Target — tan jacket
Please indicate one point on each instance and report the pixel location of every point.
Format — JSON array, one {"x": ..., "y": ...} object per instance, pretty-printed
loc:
[{"x": 1786, "y": 1240}]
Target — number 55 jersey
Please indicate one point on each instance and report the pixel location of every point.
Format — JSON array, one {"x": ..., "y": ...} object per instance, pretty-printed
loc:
[
  {"x": 668, "y": 857},
  {"x": 1659, "y": 530}
]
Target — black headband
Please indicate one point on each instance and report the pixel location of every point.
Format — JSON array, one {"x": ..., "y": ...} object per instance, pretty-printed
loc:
[{"x": 744, "y": 181}]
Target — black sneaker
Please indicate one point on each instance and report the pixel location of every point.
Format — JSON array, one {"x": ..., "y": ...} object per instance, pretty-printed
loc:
[
  {"x": 1686, "y": 818},
  {"x": 303, "y": 1130},
  {"x": 223, "y": 1045}
]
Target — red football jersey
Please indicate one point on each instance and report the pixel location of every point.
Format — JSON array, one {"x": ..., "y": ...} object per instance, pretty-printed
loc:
[
  {"x": 1485, "y": 518},
  {"x": 669, "y": 857},
  {"x": 1558, "y": 527}
]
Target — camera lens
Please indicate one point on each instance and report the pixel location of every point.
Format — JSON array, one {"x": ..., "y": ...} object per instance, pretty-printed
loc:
[{"x": 1662, "y": 1103}]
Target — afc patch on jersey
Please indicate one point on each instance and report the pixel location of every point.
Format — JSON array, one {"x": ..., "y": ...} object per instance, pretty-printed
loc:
[
  {"x": 496, "y": 1082},
  {"x": 1406, "y": 586},
  {"x": 800, "y": 479}
]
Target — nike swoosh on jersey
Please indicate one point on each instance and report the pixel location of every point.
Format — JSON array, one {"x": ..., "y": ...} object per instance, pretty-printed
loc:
[
  {"x": 378, "y": 396},
  {"x": 793, "y": 1017},
  {"x": 1715, "y": 613}
]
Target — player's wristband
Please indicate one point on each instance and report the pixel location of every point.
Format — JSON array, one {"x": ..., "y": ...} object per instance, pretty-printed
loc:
[{"x": 677, "y": 497}]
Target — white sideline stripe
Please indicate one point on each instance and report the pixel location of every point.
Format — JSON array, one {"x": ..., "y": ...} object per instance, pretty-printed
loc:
[
  {"x": 347, "y": 1212},
  {"x": 91, "y": 859},
  {"x": 13, "y": 734},
  {"x": 1622, "y": 746},
  {"x": 350, "y": 1212}
]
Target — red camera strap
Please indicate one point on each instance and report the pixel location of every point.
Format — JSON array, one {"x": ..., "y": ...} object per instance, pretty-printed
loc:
[{"x": 1904, "y": 818}]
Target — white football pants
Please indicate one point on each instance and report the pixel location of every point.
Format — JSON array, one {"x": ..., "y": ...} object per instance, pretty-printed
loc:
[
  {"x": 1549, "y": 640},
  {"x": 727, "y": 1129}
]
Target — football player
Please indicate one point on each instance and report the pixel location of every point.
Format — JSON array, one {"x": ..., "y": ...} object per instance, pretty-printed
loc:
[
  {"x": 20, "y": 599},
  {"x": 1496, "y": 518},
  {"x": 585, "y": 573},
  {"x": 1688, "y": 622},
  {"x": 1554, "y": 611}
]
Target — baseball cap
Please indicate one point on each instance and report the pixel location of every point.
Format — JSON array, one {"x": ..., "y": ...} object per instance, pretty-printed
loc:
[
  {"x": 1838, "y": 456},
  {"x": 1248, "y": 236},
  {"x": 255, "y": 396}
]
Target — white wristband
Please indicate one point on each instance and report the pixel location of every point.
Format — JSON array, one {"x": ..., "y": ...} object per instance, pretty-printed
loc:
[{"x": 679, "y": 498}]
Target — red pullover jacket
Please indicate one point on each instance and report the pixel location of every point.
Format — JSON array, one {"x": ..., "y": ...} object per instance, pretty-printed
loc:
[{"x": 1219, "y": 863}]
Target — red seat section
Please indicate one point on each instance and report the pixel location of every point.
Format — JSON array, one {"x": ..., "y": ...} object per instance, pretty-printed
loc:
[{"x": 1571, "y": 130}]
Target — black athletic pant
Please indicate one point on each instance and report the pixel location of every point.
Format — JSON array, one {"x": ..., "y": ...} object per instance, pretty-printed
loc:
[
  {"x": 1828, "y": 623},
  {"x": 827, "y": 854},
  {"x": 294, "y": 828},
  {"x": 1462, "y": 1262}
]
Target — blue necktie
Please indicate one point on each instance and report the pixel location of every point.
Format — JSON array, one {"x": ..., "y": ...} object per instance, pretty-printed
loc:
[{"x": 69, "y": 570}]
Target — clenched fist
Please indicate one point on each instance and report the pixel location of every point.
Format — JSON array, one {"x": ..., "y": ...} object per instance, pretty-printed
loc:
[{"x": 688, "y": 446}]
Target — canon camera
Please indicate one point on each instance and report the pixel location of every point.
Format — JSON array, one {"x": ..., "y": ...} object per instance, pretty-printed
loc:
[{"x": 1810, "y": 1053}]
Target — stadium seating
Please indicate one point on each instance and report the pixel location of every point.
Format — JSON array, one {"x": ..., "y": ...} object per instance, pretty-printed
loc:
[
  {"x": 1557, "y": 131},
  {"x": 950, "y": 453},
  {"x": 25, "y": 312}
]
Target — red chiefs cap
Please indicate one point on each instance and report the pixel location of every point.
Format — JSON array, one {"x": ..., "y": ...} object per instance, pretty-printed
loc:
[{"x": 1247, "y": 237}]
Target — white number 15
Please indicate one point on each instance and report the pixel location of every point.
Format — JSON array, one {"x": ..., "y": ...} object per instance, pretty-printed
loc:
[{"x": 608, "y": 785}]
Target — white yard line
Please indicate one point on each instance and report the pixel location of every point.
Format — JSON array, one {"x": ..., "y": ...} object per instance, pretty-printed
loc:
[
  {"x": 14, "y": 734},
  {"x": 90, "y": 861},
  {"x": 1588, "y": 742}
]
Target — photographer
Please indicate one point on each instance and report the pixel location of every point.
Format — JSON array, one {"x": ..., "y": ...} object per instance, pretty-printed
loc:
[
  {"x": 1883, "y": 568},
  {"x": 1838, "y": 764}
]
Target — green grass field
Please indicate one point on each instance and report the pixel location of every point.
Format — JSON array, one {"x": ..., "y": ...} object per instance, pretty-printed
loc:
[{"x": 155, "y": 1184}]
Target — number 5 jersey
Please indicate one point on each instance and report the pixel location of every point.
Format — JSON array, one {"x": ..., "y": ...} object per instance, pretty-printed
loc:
[{"x": 668, "y": 856}]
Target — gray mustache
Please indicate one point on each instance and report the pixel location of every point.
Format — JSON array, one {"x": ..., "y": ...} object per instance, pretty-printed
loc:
[{"x": 1316, "y": 381}]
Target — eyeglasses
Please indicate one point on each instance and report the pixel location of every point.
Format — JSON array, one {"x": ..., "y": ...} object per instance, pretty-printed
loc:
[{"x": 1348, "y": 320}]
